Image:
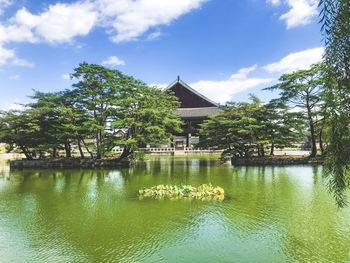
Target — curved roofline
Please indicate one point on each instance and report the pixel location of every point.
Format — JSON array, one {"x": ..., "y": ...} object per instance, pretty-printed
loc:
[{"x": 178, "y": 80}]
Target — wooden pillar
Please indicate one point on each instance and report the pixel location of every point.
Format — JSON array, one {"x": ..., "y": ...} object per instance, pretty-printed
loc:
[{"x": 188, "y": 139}]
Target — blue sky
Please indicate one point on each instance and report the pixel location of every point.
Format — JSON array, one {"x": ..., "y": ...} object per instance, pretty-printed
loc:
[{"x": 225, "y": 49}]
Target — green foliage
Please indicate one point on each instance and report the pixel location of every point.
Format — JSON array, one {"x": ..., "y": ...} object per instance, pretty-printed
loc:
[
  {"x": 246, "y": 129},
  {"x": 304, "y": 89},
  {"x": 335, "y": 19},
  {"x": 204, "y": 192},
  {"x": 102, "y": 100},
  {"x": 146, "y": 114},
  {"x": 20, "y": 129},
  {"x": 98, "y": 92}
]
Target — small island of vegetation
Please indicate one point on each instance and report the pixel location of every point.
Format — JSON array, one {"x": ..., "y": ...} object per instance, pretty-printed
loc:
[{"x": 203, "y": 192}]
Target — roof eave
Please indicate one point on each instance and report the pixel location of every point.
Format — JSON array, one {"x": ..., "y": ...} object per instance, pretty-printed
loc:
[{"x": 192, "y": 90}]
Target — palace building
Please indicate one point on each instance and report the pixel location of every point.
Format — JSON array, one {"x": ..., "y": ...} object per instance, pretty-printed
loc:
[{"x": 194, "y": 109}]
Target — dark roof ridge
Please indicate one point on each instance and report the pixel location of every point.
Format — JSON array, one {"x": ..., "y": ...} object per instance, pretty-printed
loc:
[{"x": 178, "y": 80}]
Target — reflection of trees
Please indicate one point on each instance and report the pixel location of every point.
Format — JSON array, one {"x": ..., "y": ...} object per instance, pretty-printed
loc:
[
  {"x": 96, "y": 213},
  {"x": 84, "y": 210},
  {"x": 272, "y": 204}
]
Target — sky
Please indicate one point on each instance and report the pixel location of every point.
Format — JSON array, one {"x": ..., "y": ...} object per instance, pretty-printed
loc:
[{"x": 225, "y": 49}]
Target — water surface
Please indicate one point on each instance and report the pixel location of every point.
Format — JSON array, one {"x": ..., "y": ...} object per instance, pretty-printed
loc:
[{"x": 271, "y": 214}]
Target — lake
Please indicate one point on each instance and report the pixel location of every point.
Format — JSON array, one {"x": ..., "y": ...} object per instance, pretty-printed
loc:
[{"x": 270, "y": 214}]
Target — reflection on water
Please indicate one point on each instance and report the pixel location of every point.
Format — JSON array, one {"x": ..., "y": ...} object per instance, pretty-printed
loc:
[{"x": 272, "y": 214}]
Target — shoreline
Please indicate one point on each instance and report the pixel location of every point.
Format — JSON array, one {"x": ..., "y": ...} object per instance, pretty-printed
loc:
[
  {"x": 68, "y": 163},
  {"x": 278, "y": 160}
]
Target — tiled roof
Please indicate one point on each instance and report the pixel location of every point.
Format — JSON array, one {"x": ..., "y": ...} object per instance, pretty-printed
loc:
[{"x": 196, "y": 112}]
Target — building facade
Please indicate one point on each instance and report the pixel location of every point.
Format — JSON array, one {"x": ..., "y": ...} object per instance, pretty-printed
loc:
[{"x": 194, "y": 109}]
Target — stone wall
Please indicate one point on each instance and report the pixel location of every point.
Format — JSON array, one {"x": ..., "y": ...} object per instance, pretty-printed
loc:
[
  {"x": 68, "y": 163},
  {"x": 276, "y": 160}
]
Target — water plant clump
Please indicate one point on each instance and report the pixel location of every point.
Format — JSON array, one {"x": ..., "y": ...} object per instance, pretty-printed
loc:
[{"x": 204, "y": 192}]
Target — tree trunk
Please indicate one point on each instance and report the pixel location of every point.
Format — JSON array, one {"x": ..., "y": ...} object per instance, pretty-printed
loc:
[
  {"x": 80, "y": 149},
  {"x": 126, "y": 152},
  {"x": 262, "y": 150},
  {"x": 26, "y": 153},
  {"x": 87, "y": 149},
  {"x": 321, "y": 142},
  {"x": 67, "y": 148},
  {"x": 54, "y": 152},
  {"x": 312, "y": 131},
  {"x": 98, "y": 145},
  {"x": 272, "y": 151}
]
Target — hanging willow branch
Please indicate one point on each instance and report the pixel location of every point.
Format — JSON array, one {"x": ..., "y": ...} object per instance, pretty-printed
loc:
[{"x": 335, "y": 20}]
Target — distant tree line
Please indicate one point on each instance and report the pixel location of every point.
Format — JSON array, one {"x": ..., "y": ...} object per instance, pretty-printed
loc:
[{"x": 104, "y": 100}]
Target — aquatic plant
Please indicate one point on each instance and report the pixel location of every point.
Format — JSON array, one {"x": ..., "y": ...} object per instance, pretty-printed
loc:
[{"x": 204, "y": 192}]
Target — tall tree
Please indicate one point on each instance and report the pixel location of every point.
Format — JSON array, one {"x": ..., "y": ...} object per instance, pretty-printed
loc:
[
  {"x": 98, "y": 90},
  {"x": 304, "y": 89},
  {"x": 335, "y": 19}
]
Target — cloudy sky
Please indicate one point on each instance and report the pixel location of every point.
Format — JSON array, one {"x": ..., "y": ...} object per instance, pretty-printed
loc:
[{"x": 225, "y": 49}]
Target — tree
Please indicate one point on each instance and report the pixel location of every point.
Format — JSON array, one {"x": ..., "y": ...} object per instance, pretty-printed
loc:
[
  {"x": 304, "y": 89},
  {"x": 243, "y": 130},
  {"x": 284, "y": 127},
  {"x": 335, "y": 19},
  {"x": 102, "y": 100},
  {"x": 146, "y": 114},
  {"x": 231, "y": 130},
  {"x": 97, "y": 91},
  {"x": 46, "y": 111},
  {"x": 19, "y": 130},
  {"x": 60, "y": 122}
]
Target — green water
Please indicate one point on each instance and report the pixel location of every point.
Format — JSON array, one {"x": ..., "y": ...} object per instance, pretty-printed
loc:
[{"x": 271, "y": 214}]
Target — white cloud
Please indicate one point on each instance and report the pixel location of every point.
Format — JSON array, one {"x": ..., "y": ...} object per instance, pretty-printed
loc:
[
  {"x": 60, "y": 22},
  {"x": 22, "y": 63},
  {"x": 274, "y": 2},
  {"x": 5, "y": 54},
  {"x": 301, "y": 11},
  {"x": 4, "y": 4},
  {"x": 222, "y": 91},
  {"x": 243, "y": 72},
  {"x": 295, "y": 61},
  {"x": 16, "y": 105},
  {"x": 14, "y": 77},
  {"x": 124, "y": 20},
  {"x": 159, "y": 86},
  {"x": 66, "y": 76},
  {"x": 154, "y": 35},
  {"x": 130, "y": 19},
  {"x": 113, "y": 61}
]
